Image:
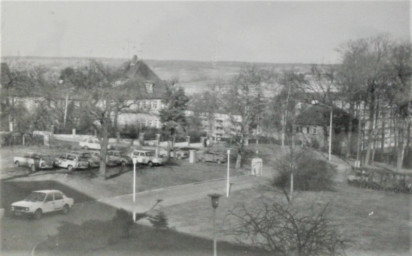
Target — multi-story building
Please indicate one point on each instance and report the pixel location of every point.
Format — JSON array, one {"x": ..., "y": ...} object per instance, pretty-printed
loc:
[{"x": 218, "y": 125}]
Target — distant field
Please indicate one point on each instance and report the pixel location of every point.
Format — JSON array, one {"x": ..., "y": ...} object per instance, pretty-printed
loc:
[{"x": 193, "y": 76}]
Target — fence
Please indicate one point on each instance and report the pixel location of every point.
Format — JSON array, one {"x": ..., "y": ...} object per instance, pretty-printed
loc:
[
  {"x": 14, "y": 139},
  {"x": 381, "y": 180}
]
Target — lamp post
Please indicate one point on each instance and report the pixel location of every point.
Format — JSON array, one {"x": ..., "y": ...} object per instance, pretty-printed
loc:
[
  {"x": 215, "y": 203},
  {"x": 134, "y": 188},
  {"x": 315, "y": 102},
  {"x": 228, "y": 174}
]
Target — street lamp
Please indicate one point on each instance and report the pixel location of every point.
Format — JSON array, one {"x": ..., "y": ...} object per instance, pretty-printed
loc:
[
  {"x": 315, "y": 102},
  {"x": 228, "y": 174},
  {"x": 134, "y": 188},
  {"x": 215, "y": 203}
]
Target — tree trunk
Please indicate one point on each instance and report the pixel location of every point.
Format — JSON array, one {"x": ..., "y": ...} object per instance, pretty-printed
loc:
[
  {"x": 349, "y": 144},
  {"x": 401, "y": 146},
  {"x": 238, "y": 160},
  {"x": 115, "y": 125},
  {"x": 11, "y": 115},
  {"x": 408, "y": 139},
  {"x": 371, "y": 127},
  {"x": 375, "y": 128},
  {"x": 210, "y": 120},
  {"x": 283, "y": 128},
  {"x": 103, "y": 147},
  {"x": 359, "y": 139},
  {"x": 383, "y": 137}
]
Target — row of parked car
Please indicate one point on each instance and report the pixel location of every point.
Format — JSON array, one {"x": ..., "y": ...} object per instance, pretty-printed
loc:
[
  {"x": 71, "y": 160},
  {"x": 91, "y": 159}
]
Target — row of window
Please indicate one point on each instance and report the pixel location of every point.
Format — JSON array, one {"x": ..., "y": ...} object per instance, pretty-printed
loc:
[
  {"x": 148, "y": 104},
  {"x": 306, "y": 129},
  {"x": 150, "y": 123}
]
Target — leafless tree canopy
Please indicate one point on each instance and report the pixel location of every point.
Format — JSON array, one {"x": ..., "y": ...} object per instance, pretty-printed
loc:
[{"x": 286, "y": 229}]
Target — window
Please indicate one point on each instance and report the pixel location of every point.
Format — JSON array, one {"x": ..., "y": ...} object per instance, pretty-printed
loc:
[
  {"x": 149, "y": 87},
  {"x": 314, "y": 131},
  {"x": 49, "y": 197},
  {"x": 58, "y": 196},
  {"x": 307, "y": 129}
]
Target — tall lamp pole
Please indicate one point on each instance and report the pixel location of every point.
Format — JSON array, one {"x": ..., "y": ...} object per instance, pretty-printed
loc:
[
  {"x": 228, "y": 174},
  {"x": 215, "y": 203},
  {"x": 330, "y": 133},
  {"x": 134, "y": 188}
]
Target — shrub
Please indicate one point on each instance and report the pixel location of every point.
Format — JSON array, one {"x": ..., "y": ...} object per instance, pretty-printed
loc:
[
  {"x": 150, "y": 133},
  {"x": 123, "y": 222},
  {"x": 310, "y": 174},
  {"x": 159, "y": 221},
  {"x": 286, "y": 229}
]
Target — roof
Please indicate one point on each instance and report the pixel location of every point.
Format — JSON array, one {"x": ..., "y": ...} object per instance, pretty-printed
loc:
[
  {"x": 320, "y": 116},
  {"x": 47, "y": 191},
  {"x": 140, "y": 76},
  {"x": 137, "y": 69}
]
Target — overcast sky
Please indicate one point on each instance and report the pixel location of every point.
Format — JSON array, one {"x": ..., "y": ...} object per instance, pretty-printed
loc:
[{"x": 279, "y": 32}]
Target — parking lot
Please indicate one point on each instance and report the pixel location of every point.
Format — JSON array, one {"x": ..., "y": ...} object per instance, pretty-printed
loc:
[{"x": 21, "y": 234}]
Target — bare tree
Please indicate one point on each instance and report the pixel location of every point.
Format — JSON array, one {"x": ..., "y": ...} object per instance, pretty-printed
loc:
[
  {"x": 104, "y": 91},
  {"x": 244, "y": 98},
  {"x": 293, "y": 84},
  {"x": 206, "y": 105},
  {"x": 375, "y": 78},
  {"x": 400, "y": 95},
  {"x": 286, "y": 229}
]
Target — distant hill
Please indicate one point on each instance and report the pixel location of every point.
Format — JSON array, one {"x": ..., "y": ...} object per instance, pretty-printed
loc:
[{"x": 193, "y": 76}]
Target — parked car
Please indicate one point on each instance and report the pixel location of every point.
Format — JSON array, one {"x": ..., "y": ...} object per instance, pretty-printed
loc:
[
  {"x": 118, "y": 157},
  {"x": 91, "y": 143},
  {"x": 34, "y": 161},
  {"x": 184, "y": 152},
  {"x": 71, "y": 161},
  {"x": 147, "y": 157},
  {"x": 40, "y": 202},
  {"x": 179, "y": 153},
  {"x": 93, "y": 158},
  {"x": 212, "y": 156}
]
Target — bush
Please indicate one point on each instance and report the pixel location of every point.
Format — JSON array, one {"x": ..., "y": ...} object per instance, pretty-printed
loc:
[
  {"x": 159, "y": 221},
  {"x": 123, "y": 222},
  {"x": 310, "y": 174},
  {"x": 150, "y": 133},
  {"x": 129, "y": 131},
  {"x": 286, "y": 229},
  {"x": 195, "y": 136}
]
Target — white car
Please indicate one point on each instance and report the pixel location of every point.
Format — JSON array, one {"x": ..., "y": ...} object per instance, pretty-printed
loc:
[
  {"x": 34, "y": 161},
  {"x": 71, "y": 161},
  {"x": 147, "y": 157},
  {"x": 40, "y": 202},
  {"x": 91, "y": 143}
]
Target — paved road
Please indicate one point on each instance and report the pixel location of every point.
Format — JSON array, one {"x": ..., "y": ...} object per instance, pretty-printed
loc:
[
  {"x": 178, "y": 194},
  {"x": 20, "y": 235}
]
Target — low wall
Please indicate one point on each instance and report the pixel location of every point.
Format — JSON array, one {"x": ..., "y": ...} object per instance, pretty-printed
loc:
[{"x": 153, "y": 143}]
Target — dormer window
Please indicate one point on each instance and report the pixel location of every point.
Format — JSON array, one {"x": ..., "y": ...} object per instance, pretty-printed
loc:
[{"x": 149, "y": 87}]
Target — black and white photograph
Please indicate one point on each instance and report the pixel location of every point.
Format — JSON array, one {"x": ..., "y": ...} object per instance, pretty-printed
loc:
[{"x": 197, "y": 128}]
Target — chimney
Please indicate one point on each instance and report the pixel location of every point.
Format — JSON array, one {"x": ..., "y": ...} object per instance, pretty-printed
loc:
[{"x": 134, "y": 59}]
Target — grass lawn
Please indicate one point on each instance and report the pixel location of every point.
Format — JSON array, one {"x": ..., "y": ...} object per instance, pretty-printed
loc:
[
  {"x": 373, "y": 221},
  {"x": 144, "y": 241}
]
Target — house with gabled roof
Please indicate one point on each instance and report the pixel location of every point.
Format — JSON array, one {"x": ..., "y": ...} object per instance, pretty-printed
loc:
[
  {"x": 312, "y": 125},
  {"x": 143, "y": 111}
]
